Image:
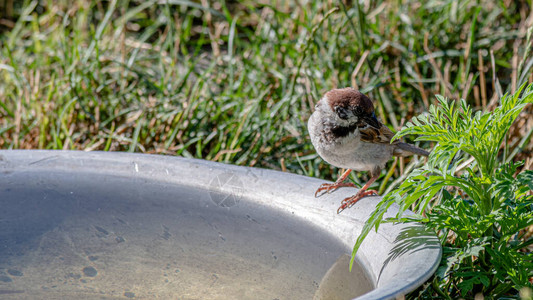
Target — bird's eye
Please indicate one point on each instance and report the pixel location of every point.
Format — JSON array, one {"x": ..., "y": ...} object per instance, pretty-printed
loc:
[{"x": 341, "y": 112}]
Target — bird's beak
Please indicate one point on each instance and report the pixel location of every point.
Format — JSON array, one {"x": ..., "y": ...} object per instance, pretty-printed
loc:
[{"x": 372, "y": 120}]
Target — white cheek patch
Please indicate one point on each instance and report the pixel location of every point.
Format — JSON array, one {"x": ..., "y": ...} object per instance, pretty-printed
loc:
[
  {"x": 329, "y": 113},
  {"x": 326, "y": 109}
]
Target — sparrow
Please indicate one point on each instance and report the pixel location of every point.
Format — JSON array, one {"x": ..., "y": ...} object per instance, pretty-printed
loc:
[{"x": 346, "y": 133}]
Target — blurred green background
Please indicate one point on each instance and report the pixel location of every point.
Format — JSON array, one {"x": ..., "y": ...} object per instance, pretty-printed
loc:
[{"x": 235, "y": 81}]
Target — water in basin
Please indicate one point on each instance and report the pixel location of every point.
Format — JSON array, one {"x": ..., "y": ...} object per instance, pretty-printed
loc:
[{"x": 86, "y": 236}]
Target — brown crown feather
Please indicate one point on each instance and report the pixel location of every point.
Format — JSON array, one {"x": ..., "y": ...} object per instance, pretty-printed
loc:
[{"x": 350, "y": 98}]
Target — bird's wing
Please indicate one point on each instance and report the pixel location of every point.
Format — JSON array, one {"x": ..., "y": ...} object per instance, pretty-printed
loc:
[{"x": 381, "y": 135}]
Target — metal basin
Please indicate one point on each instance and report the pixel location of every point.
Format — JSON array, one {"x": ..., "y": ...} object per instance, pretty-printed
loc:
[{"x": 95, "y": 225}]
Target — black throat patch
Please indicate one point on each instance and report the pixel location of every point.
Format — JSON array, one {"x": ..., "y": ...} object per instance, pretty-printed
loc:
[
  {"x": 333, "y": 132},
  {"x": 342, "y": 131}
]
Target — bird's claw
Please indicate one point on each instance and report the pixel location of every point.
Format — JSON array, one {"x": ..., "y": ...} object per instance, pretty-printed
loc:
[
  {"x": 327, "y": 188},
  {"x": 350, "y": 201}
]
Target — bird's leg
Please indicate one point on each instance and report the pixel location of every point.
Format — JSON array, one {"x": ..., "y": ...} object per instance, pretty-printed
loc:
[
  {"x": 363, "y": 192},
  {"x": 330, "y": 187}
]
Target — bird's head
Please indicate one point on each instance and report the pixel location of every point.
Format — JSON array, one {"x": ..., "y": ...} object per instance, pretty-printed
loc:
[{"x": 348, "y": 106}]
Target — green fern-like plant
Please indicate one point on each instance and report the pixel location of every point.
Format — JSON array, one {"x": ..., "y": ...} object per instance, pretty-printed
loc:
[{"x": 479, "y": 209}]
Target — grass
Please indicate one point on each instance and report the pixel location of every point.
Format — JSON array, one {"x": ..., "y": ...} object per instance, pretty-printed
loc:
[{"x": 235, "y": 82}]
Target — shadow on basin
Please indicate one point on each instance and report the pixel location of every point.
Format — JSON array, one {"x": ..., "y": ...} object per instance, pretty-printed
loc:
[{"x": 409, "y": 241}]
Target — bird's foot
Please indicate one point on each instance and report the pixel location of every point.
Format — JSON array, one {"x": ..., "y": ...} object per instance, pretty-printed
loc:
[
  {"x": 350, "y": 201},
  {"x": 331, "y": 187}
]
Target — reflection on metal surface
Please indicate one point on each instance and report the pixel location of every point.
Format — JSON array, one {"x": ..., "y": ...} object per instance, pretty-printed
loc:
[
  {"x": 226, "y": 189},
  {"x": 340, "y": 283}
]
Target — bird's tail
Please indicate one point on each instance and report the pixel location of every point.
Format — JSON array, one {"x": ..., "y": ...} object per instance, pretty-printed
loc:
[{"x": 404, "y": 149}]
